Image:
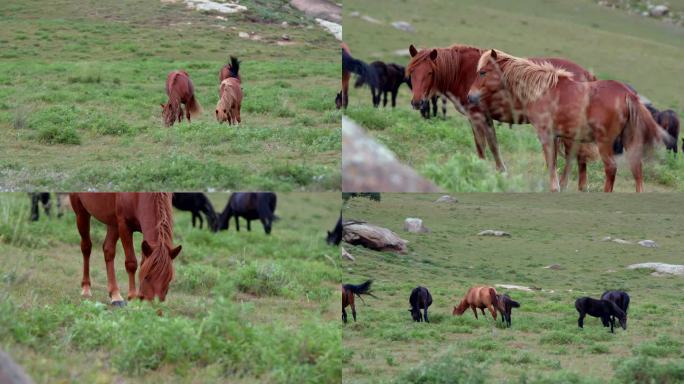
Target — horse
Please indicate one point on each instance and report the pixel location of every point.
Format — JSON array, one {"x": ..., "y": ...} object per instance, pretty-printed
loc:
[
  {"x": 620, "y": 298},
  {"x": 606, "y": 310},
  {"x": 230, "y": 91},
  {"x": 180, "y": 90},
  {"x": 229, "y": 70},
  {"x": 196, "y": 203},
  {"x": 425, "y": 109},
  {"x": 351, "y": 65},
  {"x": 668, "y": 120},
  {"x": 420, "y": 299},
  {"x": 505, "y": 306},
  {"x": 123, "y": 214},
  {"x": 335, "y": 237},
  {"x": 450, "y": 72},
  {"x": 390, "y": 77},
  {"x": 44, "y": 198},
  {"x": 557, "y": 106},
  {"x": 251, "y": 206},
  {"x": 348, "y": 293},
  {"x": 478, "y": 297}
]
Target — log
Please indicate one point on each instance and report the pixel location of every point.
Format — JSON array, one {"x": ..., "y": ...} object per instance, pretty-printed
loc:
[{"x": 372, "y": 237}]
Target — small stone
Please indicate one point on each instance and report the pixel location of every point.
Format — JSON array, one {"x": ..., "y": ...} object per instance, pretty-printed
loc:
[
  {"x": 648, "y": 244},
  {"x": 284, "y": 24},
  {"x": 659, "y": 10},
  {"x": 347, "y": 255},
  {"x": 491, "y": 232},
  {"x": 285, "y": 37},
  {"x": 243, "y": 35},
  {"x": 415, "y": 225},
  {"x": 555, "y": 267},
  {"x": 403, "y": 26},
  {"x": 446, "y": 199}
]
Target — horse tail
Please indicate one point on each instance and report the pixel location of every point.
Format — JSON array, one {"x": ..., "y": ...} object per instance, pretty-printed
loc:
[
  {"x": 514, "y": 304},
  {"x": 495, "y": 300},
  {"x": 365, "y": 72},
  {"x": 361, "y": 289},
  {"x": 194, "y": 106},
  {"x": 234, "y": 67},
  {"x": 640, "y": 121}
]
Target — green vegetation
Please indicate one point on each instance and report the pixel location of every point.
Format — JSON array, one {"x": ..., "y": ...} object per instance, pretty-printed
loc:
[
  {"x": 81, "y": 83},
  {"x": 243, "y": 307},
  {"x": 646, "y": 53},
  {"x": 544, "y": 344}
]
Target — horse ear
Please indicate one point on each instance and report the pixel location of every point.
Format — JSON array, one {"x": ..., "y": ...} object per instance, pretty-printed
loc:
[
  {"x": 175, "y": 252},
  {"x": 146, "y": 248},
  {"x": 413, "y": 51},
  {"x": 433, "y": 55},
  {"x": 493, "y": 54}
]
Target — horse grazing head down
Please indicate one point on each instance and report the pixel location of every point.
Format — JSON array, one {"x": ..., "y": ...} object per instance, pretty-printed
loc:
[
  {"x": 421, "y": 70},
  {"x": 156, "y": 270},
  {"x": 170, "y": 112}
]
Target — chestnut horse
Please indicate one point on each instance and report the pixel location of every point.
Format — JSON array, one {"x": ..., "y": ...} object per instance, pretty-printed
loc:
[
  {"x": 229, "y": 69},
  {"x": 123, "y": 214},
  {"x": 230, "y": 102},
  {"x": 557, "y": 106},
  {"x": 180, "y": 91},
  {"x": 450, "y": 72},
  {"x": 478, "y": 297},
  {"x": 348, "y": 293}
]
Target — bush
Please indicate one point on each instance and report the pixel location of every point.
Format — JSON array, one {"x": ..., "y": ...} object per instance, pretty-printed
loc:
[
  {"x": 446, "y": 369},
  {"x": 643, "y": 370}
]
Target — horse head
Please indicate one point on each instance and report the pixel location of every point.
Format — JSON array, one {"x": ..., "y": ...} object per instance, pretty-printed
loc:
[
  {"x": 421, "y": 71},
  {"x": 488, "y": 80},
  {"x": 415, "y": 314},
  {"x": 156, "y": 270},
  {"x": 169, "y": 113}
]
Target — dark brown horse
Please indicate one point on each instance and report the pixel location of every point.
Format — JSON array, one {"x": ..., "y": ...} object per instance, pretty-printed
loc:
[
  {"x": 123, "y": 214},
  {"x": 450, "y": 72},
  {"x": 478, "y": 297},
  {"x": 558, "y": 106},
  {"x": 348, "y": 293},
  {"x": 180, "y": 91}
]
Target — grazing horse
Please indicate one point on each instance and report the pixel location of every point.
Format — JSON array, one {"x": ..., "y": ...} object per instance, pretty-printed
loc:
[
  {"x": 123, "y": 214},
  {"x": 36, "y": 199},
  {"x": 351, "y": 65},
  {"x": 478, "y": 297},
  {"x": 390, "y": 77},
  {"x": 251, "y": 206},
  {"x": 335, "y": 237},
  {"x": 180, "y": 90},
  {"x": 557, "y": 106},
  {"x": 420, "y": 299},
  {"x": 604, "y": 309},
  {"x": 230, "y": 102},
  {"x": 196, "y": 203},
  {"x": 450, "y": 72},
  {"x": 505, "y": 306},
  {"x": 620, "y": 298},
  {"x": 348, "y": 293},
  {"x": 229, "y": 70},
  {"x": 668, "y": 120}
]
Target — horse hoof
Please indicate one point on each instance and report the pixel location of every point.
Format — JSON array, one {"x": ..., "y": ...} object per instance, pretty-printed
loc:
[{"x": 119, "y": 304}]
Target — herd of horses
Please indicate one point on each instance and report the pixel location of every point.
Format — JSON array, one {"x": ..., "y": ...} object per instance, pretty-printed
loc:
[
  {"x": 573, "y": 112},
  {"x": 181, "y": 92},
  {"x": 611, "y": 306}
]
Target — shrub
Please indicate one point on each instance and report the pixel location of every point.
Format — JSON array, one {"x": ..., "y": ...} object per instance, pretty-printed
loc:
[
  {"x": 446, "y": 369},
  {"x": 643, "y": 370}
]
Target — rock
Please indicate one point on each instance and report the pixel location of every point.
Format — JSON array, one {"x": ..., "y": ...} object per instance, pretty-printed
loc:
[
  {"x": 284, "y": 24},
  {"x": 446, "y": 199},
  {"x": 491, "y": 232},
  {"x": 372, "y": 237},
  {"x": 659, "y": 10},
  {"x": 243, "y": 35},
  {"x": 402, "y": 53},
  {"x": 662, "y": 268},
  {"x": 616, "y": 240},
  {"x": 11, "y": 372},
  {"x": 347, "y": 255},
  {"x": 648, "y": 244},
  {"x": 334, "y": 28},
  {"x": 518, "y": 287},
  {"x": 368, "y": 166},
  {"x": 285, "y": 37},
  {"x": 370, "y": 19},
  {"x": 415, "y": 225},
  {"x": 403, "y": 26},
  {"x": 208, "y": 5},
  {"x": 555, "y": 267},
  {"x": 355, "y": 14}
]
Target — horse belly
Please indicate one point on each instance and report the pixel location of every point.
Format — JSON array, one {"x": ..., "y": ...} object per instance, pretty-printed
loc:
[{"x": 101, "y": 206}]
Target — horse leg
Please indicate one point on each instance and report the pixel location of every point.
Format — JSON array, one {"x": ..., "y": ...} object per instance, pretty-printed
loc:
[
  {"x": 131, "y": 261},
  {"x": 492, "y": 310},
  {"x": 474, "y": 310},
  {"x": 483, "y": 312},
  {"x": 425, "y": 315},
  {"x": 35, "y": 209},
  {"x": 83, "y": 224},
  {"x": 187, "y": 113},
  {"x": 249, "y": 225},
  {"x": 193, "y": 219},
  {"x": 394, "y": 98},
  {"x": 580, "y": 320},
  {"x": 549, "y": 145},
  {"x": 384, "y": 99},
  {"x": 490, "y": 135},
  {"x": 582, "y": 170},
  {"x": 344, "y": 315},
  {"x": 109, "y": 250},
  {"x": 609, "y": 166},
  {"x": 237, "y": 223},
  {"x": 635, "y": 166},
  {"x": 479, "y": 138},
  {"x": 201, "y": 221},
  {"x": 569, "y": 148},
  {"x": 353, "y": 307}
]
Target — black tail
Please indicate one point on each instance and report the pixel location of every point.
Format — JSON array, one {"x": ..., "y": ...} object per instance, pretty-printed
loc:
[
  {"x": 361, "y": 289},
  {"x": 234, "y": 66},
  {"x": 365, "y": 72},
  {"x": 515, "y": 304}
]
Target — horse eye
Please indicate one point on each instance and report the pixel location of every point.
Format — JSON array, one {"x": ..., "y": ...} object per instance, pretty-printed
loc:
[{"x": 482, "y": 73}]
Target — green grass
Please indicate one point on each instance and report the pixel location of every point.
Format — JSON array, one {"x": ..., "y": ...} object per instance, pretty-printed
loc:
[
  {"x": 81, "y": 83},
  {"x": 646, "y": 53},
  {"x": 243, "y": 307},
  {"x": 544, "y": 344}
]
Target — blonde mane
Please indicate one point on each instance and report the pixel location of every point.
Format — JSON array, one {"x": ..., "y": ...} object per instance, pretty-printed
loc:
[
  {"x": 446, "y": 66},
  {"x": 525, "y": 79}
]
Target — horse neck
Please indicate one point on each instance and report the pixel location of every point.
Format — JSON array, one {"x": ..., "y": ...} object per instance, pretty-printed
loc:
[
  {"x": 456, "y": 73},
  {"x": 462, "y": 306},
  {"x": 155, "y": 218}
]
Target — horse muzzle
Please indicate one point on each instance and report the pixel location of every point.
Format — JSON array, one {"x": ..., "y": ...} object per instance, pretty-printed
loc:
[
  {"x": 418, "y": 104},
  {"x": 474, "y": 98}
]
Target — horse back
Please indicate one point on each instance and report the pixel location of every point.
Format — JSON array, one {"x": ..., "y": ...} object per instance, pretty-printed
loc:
[{"x": 579, "y": 73}]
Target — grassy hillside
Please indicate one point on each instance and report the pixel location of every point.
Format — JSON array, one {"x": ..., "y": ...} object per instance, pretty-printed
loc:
[
  {"x": 544, "y": 344},
  {"x": 243, "y": 307},
  {"x": 81, "y": 83},
  {"x": 646, "y": 53}
]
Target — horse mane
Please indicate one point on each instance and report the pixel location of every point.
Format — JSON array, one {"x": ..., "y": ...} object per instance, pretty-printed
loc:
[
  {"x": 159, "y": 263},
  {"x": 526, "y": 79},
  {"x": 446, "y": 66}
]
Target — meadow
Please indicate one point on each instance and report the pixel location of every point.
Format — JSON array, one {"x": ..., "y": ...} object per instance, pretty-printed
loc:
[
  {"x": 81, "y": 83},
  {"x": 243, "y": 307},
  {"x": 644, "y": 52},
  {"x": 544, "y": 343}
]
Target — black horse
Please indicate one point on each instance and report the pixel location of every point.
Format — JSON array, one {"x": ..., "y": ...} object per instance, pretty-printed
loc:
[
  {"x": 335, "y": 237},
  {"x": 668, "y": 120},
  {"x": 196, "y": 203},
  {"x": 390, "y": 77},
  {"x": 620, "y": 298},
  {"x": 250, "y": 206},
  {"x": 603, "y": 309},
  {"x": 36, "y": 199},
  {"x": 425, "y": 109},
  {"x": 505, "y": 305},
  {"x": 420, "y": 299}
]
